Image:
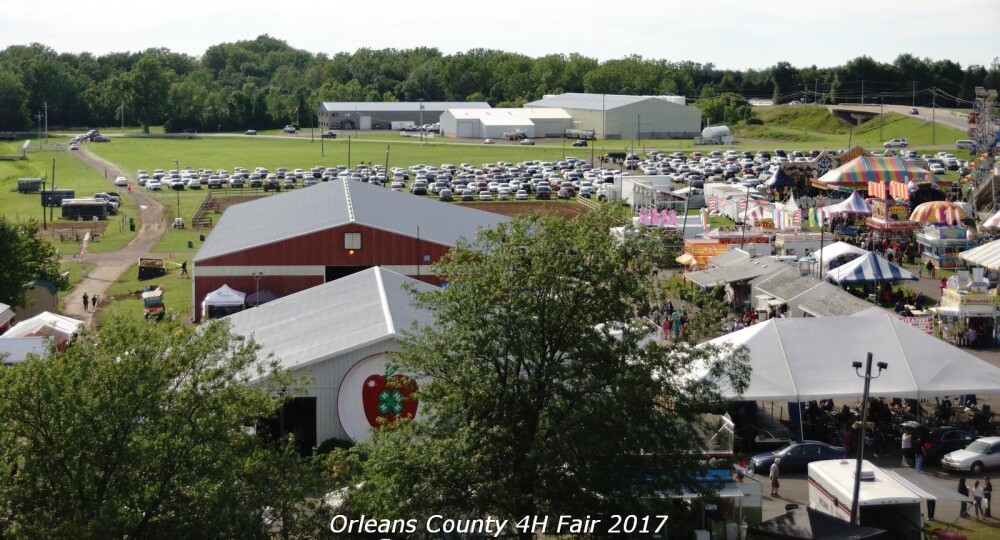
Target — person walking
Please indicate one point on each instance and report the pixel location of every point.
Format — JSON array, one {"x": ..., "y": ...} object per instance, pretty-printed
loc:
[
  {"x": 987, "y": 496},
  {"x": 94, "y": 301},
  {"x": 86, "y": 302},
  {"x": 977, "y": 498},
  {"x": 930, "y": 269},
  {"x": 918, "y": 454},
  {"x": 184, "y": 269},
  {"x": 678, "y": 320},
  {"x": 963, "y": 489},
  {"x": 774, "y": 478}
]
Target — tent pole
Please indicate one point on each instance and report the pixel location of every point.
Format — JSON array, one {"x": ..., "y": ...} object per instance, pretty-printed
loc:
[{"x": 802, "y": 433}]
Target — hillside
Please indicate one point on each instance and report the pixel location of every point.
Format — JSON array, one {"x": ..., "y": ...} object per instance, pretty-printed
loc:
[{"x": 814, "y": 124}]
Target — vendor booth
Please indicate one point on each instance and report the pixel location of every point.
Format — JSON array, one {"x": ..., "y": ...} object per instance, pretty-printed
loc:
[
  {"x": 222, "y": 301},
  {"x": 891, "y": 227},
  {"x": 941, "y": 246},
  {"x": 966, "y": 304}
]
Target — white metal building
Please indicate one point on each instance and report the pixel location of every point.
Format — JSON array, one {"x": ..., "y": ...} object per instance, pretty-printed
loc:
[
  {"x": 338, "y": 334},
  {"x": 614, "y": 116},
  {"x": 492, "y": 123},
  {"x": 365, "y": 115}
]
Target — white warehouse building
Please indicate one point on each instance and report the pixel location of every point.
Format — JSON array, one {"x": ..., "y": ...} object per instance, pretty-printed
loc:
[
  {"x": 614, "y": 116},
  {"x": 492, "y": 123}
]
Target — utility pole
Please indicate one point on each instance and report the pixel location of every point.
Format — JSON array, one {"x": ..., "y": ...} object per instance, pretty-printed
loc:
[
  {"x": 386, "y": 164},
  {"x": 913, "y": 100},
  {"x": 933, "y": 114},
  {"x": 421, "y": 101},
  {"x": 39, "y": 133},
  {"x": 46, "y": 106},
  {"x": 815, "y": 89},
  {"x": 123, "y": 118},
  {"x": 881, "y": 118},
  {"x": 862, "y": 91}
]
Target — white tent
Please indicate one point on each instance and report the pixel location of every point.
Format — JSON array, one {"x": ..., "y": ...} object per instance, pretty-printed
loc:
[
  {"x": 804, "y": 359},
  {"x": 986, "y": 255},
  {"x": 222, "y": 301},
  {"x": 833, "y": 251}
]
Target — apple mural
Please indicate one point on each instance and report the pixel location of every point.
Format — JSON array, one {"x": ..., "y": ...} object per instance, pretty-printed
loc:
[{"x": 386, "y": 397}]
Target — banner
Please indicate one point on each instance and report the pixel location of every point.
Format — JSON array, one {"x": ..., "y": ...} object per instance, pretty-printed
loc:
[{"x": 83, "y": 247}]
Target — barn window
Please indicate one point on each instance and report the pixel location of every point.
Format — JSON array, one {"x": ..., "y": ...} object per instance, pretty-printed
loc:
[{"x": 352, "y": 240}]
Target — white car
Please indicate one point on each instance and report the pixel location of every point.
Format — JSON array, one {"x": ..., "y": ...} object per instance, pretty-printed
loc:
[
  {"x": 121, "y": 181},
  {"x": 896, "y": 143},
  {"x": 981, "y": 454},
  {"x": 154, "y": 185}
]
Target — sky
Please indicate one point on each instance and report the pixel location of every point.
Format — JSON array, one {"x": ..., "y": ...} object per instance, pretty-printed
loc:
[{"x": 731, "y": 34}]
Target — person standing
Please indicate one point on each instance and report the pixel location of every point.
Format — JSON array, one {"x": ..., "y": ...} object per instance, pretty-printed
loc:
[
  {"x": 918, "y": 453},
  {"x": 774, "y": 478},
  {"x": 963, "y": 489},
  {"x": 907, "y": 448},
  {"x": 977, "y": 498},
  {"x": 678, "y": 319},
  {"x": 987, "y": 496},
  {"x": 86, "y": 302}
]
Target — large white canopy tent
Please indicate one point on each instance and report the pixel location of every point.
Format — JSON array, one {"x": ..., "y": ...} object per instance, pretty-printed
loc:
[
  {"x": 833, "y": 251},
  {"x": 804, "y": 359}
]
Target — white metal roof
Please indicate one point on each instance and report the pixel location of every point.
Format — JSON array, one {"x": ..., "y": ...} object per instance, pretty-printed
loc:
[
  {"x": 597, "y": 102},
  {"x": 334, "y": 318},
  {"x": 43, "y": 323},
  {"x": 499, "y": 116},
  {"x": 339, "y": 202},
  {"x": 14, "y": 350},
  {"x": 400, "y": 106},
  {"x": 837, "y": 476}
]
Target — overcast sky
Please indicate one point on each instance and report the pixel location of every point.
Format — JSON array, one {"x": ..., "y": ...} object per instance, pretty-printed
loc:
[{"x": 733, "y": 34}]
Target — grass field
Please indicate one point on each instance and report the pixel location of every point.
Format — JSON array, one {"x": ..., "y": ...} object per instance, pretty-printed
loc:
[
  {"x": 70, "y": 173},
  {"x": 121, "y": 296}
]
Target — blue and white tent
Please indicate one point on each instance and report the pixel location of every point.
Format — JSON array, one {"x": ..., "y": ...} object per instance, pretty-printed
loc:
[{"x": 868, "y": 268}]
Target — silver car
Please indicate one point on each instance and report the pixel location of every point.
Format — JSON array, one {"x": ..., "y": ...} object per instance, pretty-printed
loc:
[{"x": 981, "y": 454}]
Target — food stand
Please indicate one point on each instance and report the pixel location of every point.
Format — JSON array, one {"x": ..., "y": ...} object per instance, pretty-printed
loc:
[
  {"x": 890, "y": 221},
  {"x": 941, "y": 245},
  {"x": 967, "y": 304}
]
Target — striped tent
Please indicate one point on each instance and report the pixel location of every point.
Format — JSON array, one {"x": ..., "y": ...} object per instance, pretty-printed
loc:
[
  {"x": 893, "y": 190},
  {"x": 992, "y": 222},
  {"x": 986, "y": 255},
  {"x": 852, "y": 205},
  {"x": 861, "y": 170},
  {"x": 713, "y": 203},
  {"x": 868, "y": 268}
]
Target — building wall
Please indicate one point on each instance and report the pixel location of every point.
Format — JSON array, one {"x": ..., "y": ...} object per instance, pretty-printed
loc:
[
  {"x": 327, "y": 375},
  {"x": 296, "y": 264},
  {"x": 551, "y": 127},
  {"x": 378, "y": 120},
  {"x": 660, "y": 120}
]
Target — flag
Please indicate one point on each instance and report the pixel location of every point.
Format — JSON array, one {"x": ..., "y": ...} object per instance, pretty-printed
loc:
[{"x": 655, "y": 220}]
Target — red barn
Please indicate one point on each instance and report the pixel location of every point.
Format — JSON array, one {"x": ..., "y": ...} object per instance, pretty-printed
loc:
[{"x": 291, "y": 242}]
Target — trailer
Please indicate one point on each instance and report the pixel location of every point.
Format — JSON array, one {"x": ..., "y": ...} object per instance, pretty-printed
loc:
[
  {"x": 53, "y": 198},
  {"x": 582, "y": 134},
  {"x": 516, "y": 135},
  {"x": 84, "y": 209},
  {"x": 151, "y": 268},
  {"x": 29, "y": 185},
  {"x": 886, "y": 501}
]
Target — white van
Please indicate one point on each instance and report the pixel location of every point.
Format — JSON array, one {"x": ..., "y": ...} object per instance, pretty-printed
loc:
[{"x": 966, "y": 144}]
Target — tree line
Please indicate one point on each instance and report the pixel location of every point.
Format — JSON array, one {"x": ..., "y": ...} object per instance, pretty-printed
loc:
[{"x": 264, "y": 82}]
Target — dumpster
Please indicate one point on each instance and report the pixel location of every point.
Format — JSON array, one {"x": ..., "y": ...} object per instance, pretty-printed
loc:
[
  {"x": 191, "y": 244},
  {"x": 131, "y": 226},
  {"x": 201, "y": 237}
]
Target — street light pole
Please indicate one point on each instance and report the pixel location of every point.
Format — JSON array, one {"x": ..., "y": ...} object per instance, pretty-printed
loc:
[
  {"x": 881, "y": 118},
  {"x": 421, "y": 102},
  {"x": 864, "y": 419},
  {"x": 177, "y": 168},
  {"x": 256, "y": 296}
]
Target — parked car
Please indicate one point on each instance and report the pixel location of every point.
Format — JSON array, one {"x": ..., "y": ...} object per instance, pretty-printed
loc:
[
  {"x": 290, "y": 129},
  {"x": 941, "y": 440},
  {"x": 74, "y": 146},
  {"x": 101, "y": 138},
  {"x": 528, "y": 142},
  {"x": 121, "y": 181},
  {"x": 468, "y": 195},
  {"x": 444, "y": 195},
  {"x": 330, "y": 134},
  {"x": 981, "y": 454},
  {"x": 250, "y": 132},
  {"x": 795, "y": 456},
  {"x": 153, "y": 185},
  {"x": 488, "y": 141},
  {"x": 580, "y": 143},
  {"x": 896, "y": 143}
]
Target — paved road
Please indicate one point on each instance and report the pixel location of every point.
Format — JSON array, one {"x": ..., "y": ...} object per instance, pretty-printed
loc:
[
  {"x": 952, "y": 119},
  {"x": 109, "y": 266}
]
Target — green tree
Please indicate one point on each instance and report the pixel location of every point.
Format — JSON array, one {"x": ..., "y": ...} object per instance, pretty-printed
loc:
[
  {"x": 27, "y": 257},
  {"x": 148, "y": 89},
  {"x": 538, "y": 402},
  {"x": 14, "y": 114},
  {"x": 141, "y": 431}
]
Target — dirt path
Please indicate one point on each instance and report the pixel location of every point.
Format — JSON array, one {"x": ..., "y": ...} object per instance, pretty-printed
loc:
[{"x": 109, "y": 266}]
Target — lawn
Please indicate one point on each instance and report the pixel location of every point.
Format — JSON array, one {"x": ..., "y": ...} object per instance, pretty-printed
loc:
[
  {"x": 123, "y": 295},
  {"x": 70, "y": 173}
]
